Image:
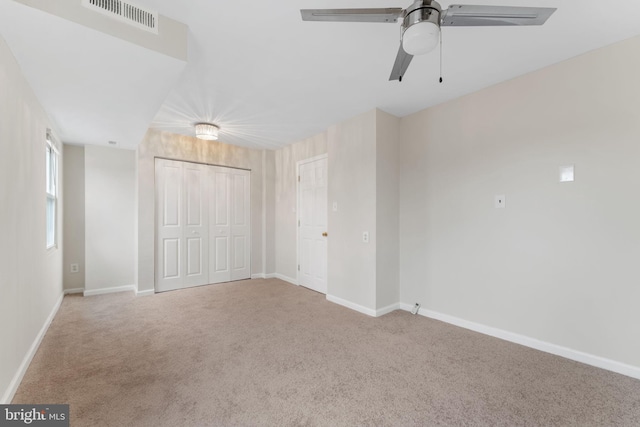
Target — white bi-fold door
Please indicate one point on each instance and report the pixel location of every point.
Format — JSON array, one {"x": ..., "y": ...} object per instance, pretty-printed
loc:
[
  {"x": 312, "y": 229},
  {"x": 202, "y": 224},
  {"x": 181, "y": 225},
  {"x": 229, "y": 225}
]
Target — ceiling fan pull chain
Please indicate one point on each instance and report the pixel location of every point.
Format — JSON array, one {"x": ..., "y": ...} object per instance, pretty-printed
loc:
[
  {"x": 440, "y": 56},
  {"x": 401, "y": 34}
]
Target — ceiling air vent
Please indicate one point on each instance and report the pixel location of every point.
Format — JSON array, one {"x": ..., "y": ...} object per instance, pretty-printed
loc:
[{"x": 125, "y": 12}]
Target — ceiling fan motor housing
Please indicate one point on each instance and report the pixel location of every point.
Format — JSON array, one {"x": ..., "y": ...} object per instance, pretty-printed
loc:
[{"x": 420, "y": 11}]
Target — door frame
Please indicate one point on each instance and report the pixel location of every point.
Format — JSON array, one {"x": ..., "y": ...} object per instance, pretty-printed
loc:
[{"x": 298, "y": 164}]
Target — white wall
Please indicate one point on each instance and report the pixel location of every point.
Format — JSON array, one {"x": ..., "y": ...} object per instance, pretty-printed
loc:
[
  {"x": 387, "y": 210},
  {"x": 186, "y": 148},
  {"x": 270, "y": 211},
  {"x": 30, "y": 275},
  {"x": 171, "y": 38},
  {"x": 286, "y": 200},
  {"x": 560, "y": 263},
  {"x": 110, "y": 209},
  {"x": 363, "y": 181},
  {"x": 74, "y": 217},
  {"x": 352, "y": 184}
]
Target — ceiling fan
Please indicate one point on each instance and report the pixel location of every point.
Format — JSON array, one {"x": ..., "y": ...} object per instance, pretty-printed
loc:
[{"x": 421, "y": 23}]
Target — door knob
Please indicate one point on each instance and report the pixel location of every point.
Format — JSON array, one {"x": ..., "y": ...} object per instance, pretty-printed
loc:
[{"x": 325, "y": 234}]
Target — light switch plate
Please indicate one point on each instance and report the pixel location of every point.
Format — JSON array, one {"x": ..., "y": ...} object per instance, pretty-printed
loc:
[
  {"x": 500, "y": 201},
  {"x": 335, "y": 206},
  {"x": 566, "y": 173}
]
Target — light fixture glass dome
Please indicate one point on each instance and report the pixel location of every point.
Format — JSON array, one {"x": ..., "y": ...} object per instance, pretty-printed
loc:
[
  {"x": 420, "y": 38},
  {"x": 207, "y": 131}
]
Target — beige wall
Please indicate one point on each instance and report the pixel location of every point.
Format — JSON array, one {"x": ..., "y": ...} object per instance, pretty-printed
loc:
[
  {"x": 30, "y": 275},
  {"x": 560, "y": 263},
  {"x": 180, "y": 147},
  {"x": 74, "y": 217},
  {"x": 110, "y": 209},
  {"x": 286, "y": 200}
]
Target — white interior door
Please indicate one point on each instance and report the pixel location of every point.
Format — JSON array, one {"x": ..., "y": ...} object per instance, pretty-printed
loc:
[
  {"x": 230, "y": 215},
  {"x": 240, "y": 224},
  {"x": 182, "y": 225},
  {"x": 220, "y": 225},
  {"x": 312, "y": 230}
]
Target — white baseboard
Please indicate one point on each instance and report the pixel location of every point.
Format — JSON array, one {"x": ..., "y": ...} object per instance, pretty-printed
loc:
[
  {"x": 145, "y": 293},
  {"x": 263, "y": 276},
  {"x": 364, "y": 310},
  {"x": 285, "y": 278},
  {"x": 73, "y": 291},
  {"x": 388, "y": 309},
  {"x": 558, "y": 350},
  {"x": 7, "y": 397},
  {"x": 351, "y": 305},
  {"x": 127, "y": 288},
  {"x": 274, "y": 276}
]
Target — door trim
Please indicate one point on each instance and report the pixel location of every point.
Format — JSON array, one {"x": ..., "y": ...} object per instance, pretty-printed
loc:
[{"x": 297, "y": 177}]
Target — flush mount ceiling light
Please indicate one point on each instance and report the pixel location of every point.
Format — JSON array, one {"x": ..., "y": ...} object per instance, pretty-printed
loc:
[{"x": 207, "y": 131}]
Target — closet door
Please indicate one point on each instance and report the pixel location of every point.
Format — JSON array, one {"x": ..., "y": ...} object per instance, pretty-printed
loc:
[
  {"x": 220, "y": 225},
  {"x": 230, "y": 242},
  {"x": 240, "y": 224},
  {"x": 181, "y": 225}
]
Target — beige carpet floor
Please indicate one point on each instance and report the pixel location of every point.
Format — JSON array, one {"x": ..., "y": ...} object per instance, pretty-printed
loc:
[{"x": 264, "y": 352}]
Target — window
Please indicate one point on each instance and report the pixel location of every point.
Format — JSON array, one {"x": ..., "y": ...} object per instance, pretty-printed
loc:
[{"x": 52, "y": 191}]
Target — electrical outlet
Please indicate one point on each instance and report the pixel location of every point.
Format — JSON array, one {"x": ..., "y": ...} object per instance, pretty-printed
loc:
[
  {"x": 75, "y": 268},
  {"x": 365, "y": 237}
]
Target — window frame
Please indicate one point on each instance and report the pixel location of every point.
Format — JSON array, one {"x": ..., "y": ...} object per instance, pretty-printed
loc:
[{"x": 51, "y": 192}]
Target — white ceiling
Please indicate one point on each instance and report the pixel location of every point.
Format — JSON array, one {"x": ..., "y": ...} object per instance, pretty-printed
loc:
[
  {"x": 96, "y": 88},
  {"x": 269, "y": 79}
]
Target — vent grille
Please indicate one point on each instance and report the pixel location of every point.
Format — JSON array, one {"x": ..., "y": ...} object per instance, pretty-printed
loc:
[{"x": 125, "y": 12}]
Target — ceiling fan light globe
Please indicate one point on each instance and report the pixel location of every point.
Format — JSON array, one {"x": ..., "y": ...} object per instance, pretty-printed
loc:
[{"x": 420, "y": 38}]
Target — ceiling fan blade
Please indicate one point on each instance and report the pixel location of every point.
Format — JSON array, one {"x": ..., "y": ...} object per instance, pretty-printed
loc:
[
  {"x": 403, "y": 59},
  {"x": 352, "y": 15},
  {"x": 480, "y": 16}
]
